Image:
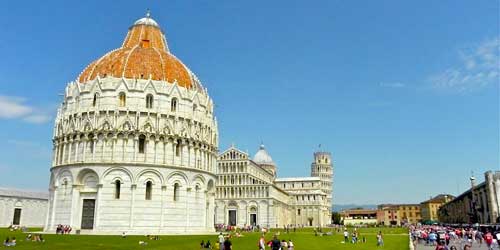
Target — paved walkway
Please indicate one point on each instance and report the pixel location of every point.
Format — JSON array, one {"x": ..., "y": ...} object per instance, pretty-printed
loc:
[{"x": 458, "y": 245}]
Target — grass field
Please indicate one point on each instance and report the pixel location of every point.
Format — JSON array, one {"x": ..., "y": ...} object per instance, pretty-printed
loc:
[{"x": 394, "y": 238}]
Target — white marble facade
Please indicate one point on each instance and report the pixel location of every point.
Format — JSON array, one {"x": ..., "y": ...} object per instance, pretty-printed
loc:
[
  {"x": 22, "y": 208},
  {"x": 135, "y": 156},
  {"x": 248, "y": 192}
]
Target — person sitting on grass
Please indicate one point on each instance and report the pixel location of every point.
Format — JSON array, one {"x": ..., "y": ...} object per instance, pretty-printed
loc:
[
  {"x": 208, "y": 245},
  {"x": 6, "y": 242},
  {"x": 13, "y": 242},
  {"x": 290, "y": 245},
  {"x": 284, "y": 245}
]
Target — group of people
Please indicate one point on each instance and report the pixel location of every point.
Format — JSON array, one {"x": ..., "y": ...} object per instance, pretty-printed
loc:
[
  {"x": 13, "y": 228},
  {"x": 275, "y": 244},
  {"x": 453, "y": 238},
  {"x": 205, "y": 245},
  {"x": 356, "y": 238},
  {"x": 63, "y": 229},
  {"x": 35, "y": 238}
]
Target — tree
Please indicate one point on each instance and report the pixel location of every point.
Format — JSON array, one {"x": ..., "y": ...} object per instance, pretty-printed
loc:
[{"x": 336, "y": 218}]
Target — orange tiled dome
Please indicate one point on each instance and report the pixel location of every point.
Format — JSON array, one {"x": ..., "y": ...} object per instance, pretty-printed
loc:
[{"x": 144, "y": 54}]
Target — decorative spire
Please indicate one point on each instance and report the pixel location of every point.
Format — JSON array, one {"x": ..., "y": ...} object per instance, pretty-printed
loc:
[
  {"x": 472, "y": 179},
  {"x": 148, "y": 13}
]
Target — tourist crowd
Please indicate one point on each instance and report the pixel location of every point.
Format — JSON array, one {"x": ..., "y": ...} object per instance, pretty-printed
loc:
[
  {"x": 454, "y": 238},
  {"x": 63, "y": 229}
]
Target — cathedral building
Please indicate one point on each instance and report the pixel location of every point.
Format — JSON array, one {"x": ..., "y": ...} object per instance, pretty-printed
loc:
[
  {"x": 135, "y": 150},
  {"x": 135, "y": 144},
  {"x": 248, "y": 191}
]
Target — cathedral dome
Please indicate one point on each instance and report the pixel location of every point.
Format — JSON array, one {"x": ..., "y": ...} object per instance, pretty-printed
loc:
[
  {"x": 262, "y": 157},
  {"x": 144, "y": 54}
]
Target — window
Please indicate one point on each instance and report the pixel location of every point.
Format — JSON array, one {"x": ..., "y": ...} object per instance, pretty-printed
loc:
[
  {"x": 149, "y": 187},
  {"x": 91, "y": 143},
  {"x": 178, "y": 148},
  {"x": 149, "y": 101},
  {"x": 117, "y": 189},
  {"x": 145, "y": 43},
  {"x": 94, "y": 101},
  {"x": 298, "y": 211},
  {"x": 142, "y": 142},
  {"x": 194, "y": 108},
  {"x": 123, "y": 99},
  {"x": 176, "y": 191},
  {"x": 173, "y": 105}
]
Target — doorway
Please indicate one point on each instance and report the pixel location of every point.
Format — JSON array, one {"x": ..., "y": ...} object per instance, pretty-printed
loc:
[
  {"x": 253, "y": 219},
  {"x": 88, "y": 211},
  {"x": 232, "y": 217},
  {"x": 17, "y": 216}
]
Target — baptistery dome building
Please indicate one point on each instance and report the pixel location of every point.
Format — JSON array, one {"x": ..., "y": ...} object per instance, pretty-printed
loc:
[{"x": 135, "y": 144}]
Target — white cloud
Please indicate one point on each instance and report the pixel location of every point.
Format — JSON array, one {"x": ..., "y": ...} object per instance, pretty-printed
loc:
[
  {"x": 12, "y": 107},
  {"x": 392, "y": 84},
  {"x": 479, "y": 66},
  {"x": 37, "y": 119}
]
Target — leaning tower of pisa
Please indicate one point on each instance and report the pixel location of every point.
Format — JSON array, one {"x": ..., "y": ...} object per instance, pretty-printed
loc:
[{"x": 322, "y": 167}]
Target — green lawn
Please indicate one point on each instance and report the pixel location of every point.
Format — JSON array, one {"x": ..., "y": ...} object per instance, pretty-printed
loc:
[{"x": 394, "y": 238}]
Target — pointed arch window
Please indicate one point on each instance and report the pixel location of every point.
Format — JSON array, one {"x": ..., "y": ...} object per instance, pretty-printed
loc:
[
  {"x": 91, "y": 143},
  {"x": 142, "y": 144},
  {"x": 176, "y": 191},
  {"x": 123, "y": 99},
  {"x": 197, "y": 189},
  {"x": 149, "y": 101},
  {"x": 117, "y": 189},
  {"x": 173, "y": 105},
  {"x": 178, "y": 148},
  {"x": 149, "y": 190},
  {"x": 94, "y": 101}
]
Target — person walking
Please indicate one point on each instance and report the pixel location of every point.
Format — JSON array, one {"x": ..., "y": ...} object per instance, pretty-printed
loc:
[
  {"x": 380, "y": 239},
  {"x": 488, "y": 238},
  {"x": 346, "y": 236},
  {"x": 227, "y": 244},
  {"x": 221, "y": 241},
  {"x": 262, "y": 243},
  {"x": 275, "y": 243}
]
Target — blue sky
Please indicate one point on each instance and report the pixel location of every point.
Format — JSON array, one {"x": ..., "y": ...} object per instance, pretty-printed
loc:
[{"x": 405, "y": 94}]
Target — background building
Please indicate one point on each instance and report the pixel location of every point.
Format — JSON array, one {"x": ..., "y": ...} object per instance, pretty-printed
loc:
[
  {"x": 398, "y": 214},
  {"x": 430, "y": 208},
  {"x": 23, "y": 208},
  {"x": 388, "y": 214},
  {"x": 359, "y": 217},
  {"x": 135, "y": 144},
  {"x": 479, "y": 204},
  {"x": 248, "y": 192},
  {"x": 409, "y": 213}
]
